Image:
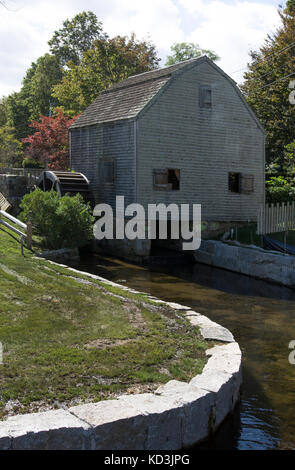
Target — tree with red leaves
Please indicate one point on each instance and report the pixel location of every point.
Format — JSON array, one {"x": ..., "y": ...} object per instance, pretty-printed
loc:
[{"x": 50, "y": 142}]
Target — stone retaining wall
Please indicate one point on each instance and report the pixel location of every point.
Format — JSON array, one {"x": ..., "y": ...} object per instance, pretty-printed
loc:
[
  {"x": 70, "y": 256},
  {"x": 250, "y": 260},
  {"x": 13, "y": 187},
  {"x": 177, "y": 415}
]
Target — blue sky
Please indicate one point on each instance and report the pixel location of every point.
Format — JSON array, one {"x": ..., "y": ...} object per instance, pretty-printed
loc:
[{"x": 229, "y": 27}]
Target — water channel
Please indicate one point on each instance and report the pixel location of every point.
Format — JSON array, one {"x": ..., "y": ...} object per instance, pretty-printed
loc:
[{"x": 261, "y": 317}]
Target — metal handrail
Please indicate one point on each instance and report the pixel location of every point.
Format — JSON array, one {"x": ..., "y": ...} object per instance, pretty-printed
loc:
[{"x": 27, "y": 227}]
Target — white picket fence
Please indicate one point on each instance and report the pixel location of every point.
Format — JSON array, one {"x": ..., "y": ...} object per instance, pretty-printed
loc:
[{"x": 274, "y": 218}]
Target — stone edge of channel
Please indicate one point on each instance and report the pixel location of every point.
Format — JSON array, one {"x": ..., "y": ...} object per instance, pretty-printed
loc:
[{"x": 177, "y": 415}]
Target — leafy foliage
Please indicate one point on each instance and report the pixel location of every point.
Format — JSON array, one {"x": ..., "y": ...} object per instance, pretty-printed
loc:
[
  {"x": 11, "y": 150},
  {"x": 188, "y": 50},
  {"x": 280, "y": 189},
  {"x": 76, "y": 37},
  {"x": 34, "y": 98},
  {"x": 63, "y": 222},
  {"x": 3, "y": 111},
  {"x": 31, "y": 163},
  {"x": 50, "y": 143},
  {"x": 108, "y": 62},
  {"x": 266, "y": 86}
]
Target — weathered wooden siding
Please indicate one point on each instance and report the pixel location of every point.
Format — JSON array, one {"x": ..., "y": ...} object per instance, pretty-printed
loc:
[
  {"x": 91, "y": 145},
  {"x": 84, "y": 153},
  {"x": 205, "y": 144}
]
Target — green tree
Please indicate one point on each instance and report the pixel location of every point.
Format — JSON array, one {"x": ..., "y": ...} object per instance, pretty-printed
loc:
[
  {"x": 279, "y": 189},
  {"x": 76, "y": 37},
  {"x": 11, "y": 150},
  {"x": 34, "y": 98},
  {"x": 3, "y": 111},
  {"x": 188, "y": 50},
  {"x": 48, "y": 73},
  {"x": 108, "y": 62},
  {"x": 289, "y": 159},
  {"x": 19, "y": 105},
  {"x": 266, "y": 87}
]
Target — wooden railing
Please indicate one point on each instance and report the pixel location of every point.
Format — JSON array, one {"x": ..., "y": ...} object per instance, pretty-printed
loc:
[
  {"x": 26, "y": 227},
  {"x": 274, "y": 218},
  {"x": 4, "y": 204}
]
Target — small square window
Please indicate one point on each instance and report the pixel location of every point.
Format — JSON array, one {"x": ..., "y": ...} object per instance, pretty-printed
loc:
[
  {"x": 240, "y": 183},
  {"x": 205, "y": 94},
  {"x": 167, "y": 179}
]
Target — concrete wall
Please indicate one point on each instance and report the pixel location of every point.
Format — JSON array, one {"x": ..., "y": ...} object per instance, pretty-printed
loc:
[
  {"x": 205, "y": 144},
  {"x": 253, "y": 261}
]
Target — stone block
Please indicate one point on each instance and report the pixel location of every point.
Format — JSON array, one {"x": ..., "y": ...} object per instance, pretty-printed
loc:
[
  {"x": 52, "y": 430},
  {"x": 5, "y": 439},
  {"x": 163, "y": 417},
  {"x": 115, "y": 425},
  {"x": 196, "y": 405},
  {"x": 222, "y": 384},
  {"x": 211, "y": 330}
]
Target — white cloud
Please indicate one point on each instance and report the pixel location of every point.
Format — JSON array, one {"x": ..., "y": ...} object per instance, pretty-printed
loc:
[
  {"x": 160, "y": 19},
  {"x": 26, "y": 31},
  {"x": 230, "y": 27},
  {"x": 23, "y": 37}
]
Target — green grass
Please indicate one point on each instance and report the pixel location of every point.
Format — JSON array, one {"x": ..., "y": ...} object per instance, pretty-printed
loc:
[{"x": 70, "y": 341}]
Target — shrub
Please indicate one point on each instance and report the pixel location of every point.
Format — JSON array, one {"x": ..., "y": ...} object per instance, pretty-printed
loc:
[
  {"x": 61, "y": 221},
  {"x": 279, "y": 189},
  {"x": 31, "y": 163}
]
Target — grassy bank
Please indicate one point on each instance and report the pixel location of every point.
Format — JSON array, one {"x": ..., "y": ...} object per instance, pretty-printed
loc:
[{"x": 67, "y": 339}]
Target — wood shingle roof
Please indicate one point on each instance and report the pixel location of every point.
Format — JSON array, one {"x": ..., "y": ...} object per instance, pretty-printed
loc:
[{"x": 126, "y": 99}]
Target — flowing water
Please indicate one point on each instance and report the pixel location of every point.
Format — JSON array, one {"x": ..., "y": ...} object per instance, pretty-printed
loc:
[{"x": 261, "y": 317}]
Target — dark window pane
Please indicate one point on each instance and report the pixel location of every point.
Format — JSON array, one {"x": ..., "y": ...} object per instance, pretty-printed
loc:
[
  {"x": 234, "y": 182},
  {"x": 205, "y": 93},
  {"x": 174, "y": 179}
]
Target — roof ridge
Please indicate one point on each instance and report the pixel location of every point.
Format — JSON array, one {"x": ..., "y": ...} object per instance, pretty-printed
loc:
[
  {"x": 148, "y": 75},
  {"x": 177, "y": 64},
  {"x": 129, "y": 85}
]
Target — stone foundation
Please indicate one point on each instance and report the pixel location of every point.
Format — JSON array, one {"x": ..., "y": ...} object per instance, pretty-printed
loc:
[
  {"x": 70, "y": 256},
  {"x": 250, "y": 260},
  {"x": 14, "y": 188}
]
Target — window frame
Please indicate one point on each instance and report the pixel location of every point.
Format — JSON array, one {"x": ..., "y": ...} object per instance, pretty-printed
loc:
[
  {"x": 102, "y": 180},
  {"x": 239, "y": 175},
  {"x": 165, "y": 186},
  {"x": 245, "y": 182},
  {"x": 202, "y": 102}
]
